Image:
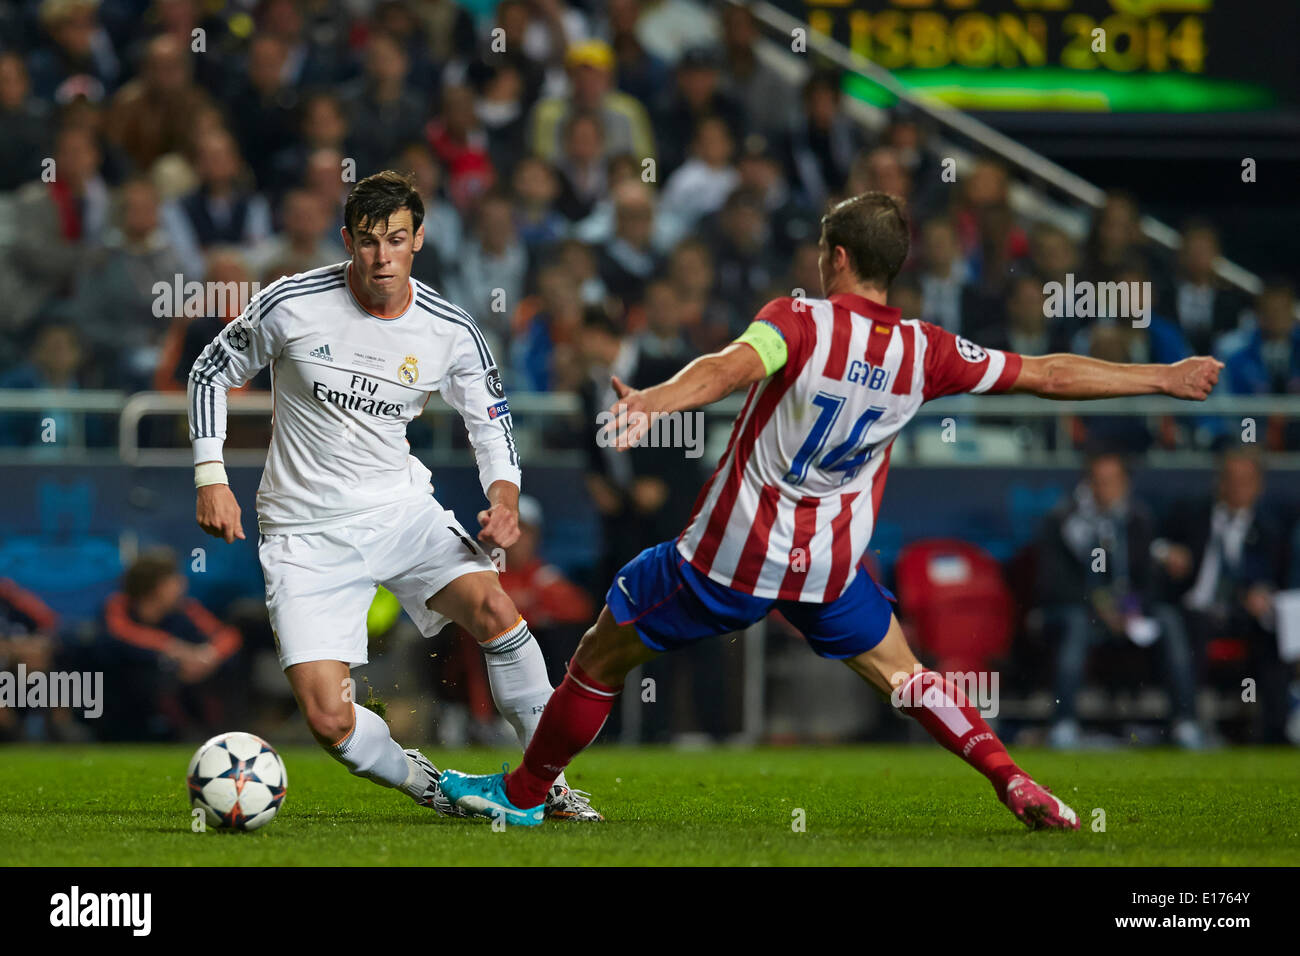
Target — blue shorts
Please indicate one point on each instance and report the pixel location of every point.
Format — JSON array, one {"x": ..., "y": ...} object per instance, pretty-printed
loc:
[{"x": 671, "y": 605}]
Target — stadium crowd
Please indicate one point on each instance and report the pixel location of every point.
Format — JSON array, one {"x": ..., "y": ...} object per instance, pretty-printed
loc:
[{"x": 613, "y": 185}]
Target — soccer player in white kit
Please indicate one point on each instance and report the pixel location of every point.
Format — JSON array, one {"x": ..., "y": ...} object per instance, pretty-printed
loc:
[
  {"x": 356, "y": 350},
  {"x": 785, "y": 519}
]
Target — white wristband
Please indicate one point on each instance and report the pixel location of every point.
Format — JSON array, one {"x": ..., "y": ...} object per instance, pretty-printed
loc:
[{"x": 210, "y": 473}]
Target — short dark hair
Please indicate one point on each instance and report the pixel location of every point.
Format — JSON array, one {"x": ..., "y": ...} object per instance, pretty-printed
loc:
[
  {"x": 873, "y": 230},
  {"x": 146, "y": 572},
  {"x": 596, "y": 319},
  {"x": 377, "y": 197}
]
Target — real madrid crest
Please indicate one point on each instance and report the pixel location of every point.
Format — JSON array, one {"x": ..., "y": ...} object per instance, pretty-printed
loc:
[{"x": 410, "y": 370}]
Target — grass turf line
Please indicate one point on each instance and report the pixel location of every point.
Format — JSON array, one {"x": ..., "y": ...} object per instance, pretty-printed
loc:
[{"x": 869, "y": 805}]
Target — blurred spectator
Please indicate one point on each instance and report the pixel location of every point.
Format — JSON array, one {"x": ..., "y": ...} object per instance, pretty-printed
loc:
[
  {"x": 115, "y": 305},
  {"x": 152, "y": 114},
  {"x": 581, "y": 262},
  {"x": 1025, "y": 329},
  {"x": 630, "y": 259},
  {"x": 24, "y": 125},
  {"x": 639, "y": 503},
  {"x": 1116, "y": 240},
  {"x": 397, "y": 19},
  {"x": 702, "y": 184},
  {"x": 189, "y": 335},
  {"x": 448, "y": 28},
  {"x": 305, "y": 241},
  {"x": 23, "y": 614},
  {"x": 822, "y": 142},
  {"x": 310, "y": 62},
  {"x": 623, "y": 120},
  {"x": 920, "y": 162},
  {"x": 667, "y": 27},
  {"x": 54, "y": 362},
  {"x": 1052, "y": 253},
  {"x": 761, "y": 172},
  {"x": 743, "y": 255},
  {"x": 553, "y": 28},
  {"x": 324, "y": 180},
  {"x": 536, "y": 189},
  {"x": 546, "y": 326},
  {"x": 501, "y": 50},
  {"x": 168, "y": 654},
  {"x": 661, "y": 345},
  {"x": 62, "y": 221},
  {"x": 322, "y": 124},
  {"x": 264, "y": 109},
  {"x": 696, "y": 97},
  {"x": 597, "y": 227},
  {"x": 1099, "y": 584},
  {"x": 708, "y": 318},
  {"x": 905, "y": 295},
  {"x": 79, "y": 59},
  {"x": 179, "y": 19},
  {"x": 989, "y": 237},
  {"x": 640, "y": 74},
  {"x": 380, "y": 103},
  {"x": 1158, "y": 340},
  {"x": 944, "y": 278},
  {"x": 881, "y": 169},
  {"x": 582, "y": 167},
  {"x": 804, "y": 280},
  {"x": 769, "y": 102},
  {"x": 460, "y": 143},
  {"x": 502, "y": 107},
  {"x": 1224, "y": 558},
  {"x": 443, "y": 231},
  {"x": 488, "y": 281},
  {"x": 1269, "y": 362},
  {"x": 28, "y": 638},
  {"x": 1112, "y": 342},
  {"x": 223, "y": 210},
  {"x": 1203, "y": 305}
]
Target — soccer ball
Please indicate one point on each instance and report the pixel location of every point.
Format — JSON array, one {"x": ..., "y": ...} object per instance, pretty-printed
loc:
[{"x": 237, "y": 780}]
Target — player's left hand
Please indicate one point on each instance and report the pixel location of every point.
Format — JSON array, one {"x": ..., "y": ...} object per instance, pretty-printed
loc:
[
  {"x": 500, "y": 526},
  {"x": 1193, "y": 378},
  {"x": 632, "y": 417}
]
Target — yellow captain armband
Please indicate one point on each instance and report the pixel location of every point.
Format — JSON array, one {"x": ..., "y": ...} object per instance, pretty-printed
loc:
[{"x": 768, "y": 343}]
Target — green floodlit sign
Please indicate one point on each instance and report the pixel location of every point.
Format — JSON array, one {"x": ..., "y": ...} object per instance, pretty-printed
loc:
[
  {"x": 1088, "y": 56},
  {"x": 1055, "y": 89}
]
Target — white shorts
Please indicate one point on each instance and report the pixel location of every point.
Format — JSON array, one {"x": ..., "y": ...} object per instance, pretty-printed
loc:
[{"x": 320, "y": 584}]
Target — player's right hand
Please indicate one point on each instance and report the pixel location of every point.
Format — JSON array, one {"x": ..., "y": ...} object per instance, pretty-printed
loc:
[
  {"x": 217, "y": 512},
  {"x": 1193, "y": 378}
]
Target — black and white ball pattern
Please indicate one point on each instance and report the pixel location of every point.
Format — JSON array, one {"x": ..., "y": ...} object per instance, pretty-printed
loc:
[{"x": 237, "y": 780}]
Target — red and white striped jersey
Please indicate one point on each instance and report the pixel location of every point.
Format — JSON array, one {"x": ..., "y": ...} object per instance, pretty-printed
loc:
[{"x": 790, "y": 509}]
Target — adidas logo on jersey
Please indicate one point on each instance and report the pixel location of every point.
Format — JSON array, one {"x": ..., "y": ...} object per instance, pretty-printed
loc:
[{"x": 322, "y": 353}]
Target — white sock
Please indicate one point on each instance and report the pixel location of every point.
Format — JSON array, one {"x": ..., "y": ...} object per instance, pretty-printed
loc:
[
  {"x": 371, "y": 752},
  {"x": 517, "y": 673}
]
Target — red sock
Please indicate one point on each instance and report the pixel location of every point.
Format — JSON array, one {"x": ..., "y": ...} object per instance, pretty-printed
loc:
[
  {"x": 572, "y": 719},
  {"x": 943, "y": 710}
]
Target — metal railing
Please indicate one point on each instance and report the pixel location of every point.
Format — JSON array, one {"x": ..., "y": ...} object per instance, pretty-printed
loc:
[{"x": 533, "y": 411}]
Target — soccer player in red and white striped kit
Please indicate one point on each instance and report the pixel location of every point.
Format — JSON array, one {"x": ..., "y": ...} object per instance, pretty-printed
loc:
[{"x": 784, "y": 520}]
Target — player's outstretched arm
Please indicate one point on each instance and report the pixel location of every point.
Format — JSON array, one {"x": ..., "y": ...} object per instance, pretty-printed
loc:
[
  {"x": 1063, "y": 376},
  {"x": 702, "y": 382}
]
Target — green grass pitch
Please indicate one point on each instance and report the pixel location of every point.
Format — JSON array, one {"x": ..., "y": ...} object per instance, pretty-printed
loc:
[{"x": 868, "y": 805}]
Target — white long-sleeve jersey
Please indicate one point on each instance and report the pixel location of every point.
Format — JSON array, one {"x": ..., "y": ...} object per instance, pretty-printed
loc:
[{"x": 345, "y": 384}]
